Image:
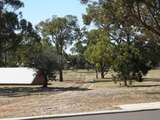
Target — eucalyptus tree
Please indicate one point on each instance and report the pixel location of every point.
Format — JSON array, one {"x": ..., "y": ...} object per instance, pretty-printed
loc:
[
  {"x": 99, "y": 51},
  {"x": 61, "y": 32},
  {"x": 132, "y": 29},
  {"x": 142, "y": 13},
  {"x": 46, "y": 62},
  {"x": 15, "y": 33},
  {"x": 145, "y": 13},
  {"x": 9, "y": 24},
  {"x": 77, "y": 58},
  {"x": 30, "y": 44}
]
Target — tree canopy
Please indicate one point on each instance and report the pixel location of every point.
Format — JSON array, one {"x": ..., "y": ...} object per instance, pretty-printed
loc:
[
  {"x": 46, "y": 61},
  {"x": 132, "y": 27},
  {"x": 15, "y": 32},
  {"x": 60, "y": 31},
  {"x": 99, "y": 50}
]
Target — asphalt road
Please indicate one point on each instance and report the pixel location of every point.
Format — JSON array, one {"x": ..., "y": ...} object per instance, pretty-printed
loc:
[{"x": 143, "y": 115}]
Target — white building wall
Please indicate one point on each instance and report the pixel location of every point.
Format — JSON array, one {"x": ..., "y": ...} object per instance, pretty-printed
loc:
[{"x": 17, "y": 75}]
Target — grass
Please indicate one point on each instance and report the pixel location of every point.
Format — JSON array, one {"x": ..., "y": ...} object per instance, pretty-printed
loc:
[{"x": 104, "y": 85}]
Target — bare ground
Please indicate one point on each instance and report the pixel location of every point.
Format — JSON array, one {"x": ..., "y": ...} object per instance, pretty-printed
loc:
[{"x": 75, "y": 96}]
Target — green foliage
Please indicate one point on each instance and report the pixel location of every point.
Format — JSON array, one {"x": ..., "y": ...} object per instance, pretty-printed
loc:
[
  {"x": 46, "y": 61},
  {"x": 134, "y": 61},
  {"x": 17, "y": 36},
  {"x": 132, "y": 27},
  {"x": 9, "y": 39},
  {"x": 80, "y": 43},
  {"x": 141, "y": 13},
  {"x": 99, "y": 50},
  {"x": 77, "y": 62},
  {"x": 125, "y": 62},
  {"x": 60, "y": 31},
  {"x": 145, "y": 13}
]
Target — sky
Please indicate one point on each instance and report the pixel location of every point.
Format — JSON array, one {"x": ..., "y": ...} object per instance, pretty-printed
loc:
[{"x": 38, "y": 10}]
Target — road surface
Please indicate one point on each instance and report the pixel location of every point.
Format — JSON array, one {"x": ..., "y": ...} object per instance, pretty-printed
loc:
[{"x": 143, "y": 115}]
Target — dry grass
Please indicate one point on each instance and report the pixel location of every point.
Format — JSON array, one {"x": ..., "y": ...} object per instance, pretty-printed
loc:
[
  {"x": 79, "y": 92},
  {"x": 153, "y": 74}
]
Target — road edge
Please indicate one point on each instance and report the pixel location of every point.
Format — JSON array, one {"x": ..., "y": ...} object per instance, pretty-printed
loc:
[{"x": 79, "y": 114}]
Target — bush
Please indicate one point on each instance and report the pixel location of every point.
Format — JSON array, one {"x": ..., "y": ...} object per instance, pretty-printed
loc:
[{"x": 46, "y": 62}]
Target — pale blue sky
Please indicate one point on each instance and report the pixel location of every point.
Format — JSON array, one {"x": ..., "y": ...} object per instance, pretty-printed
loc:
[{"x": 38, "y": 10}]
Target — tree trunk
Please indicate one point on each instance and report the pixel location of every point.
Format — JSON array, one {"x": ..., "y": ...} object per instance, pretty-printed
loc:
[
  {"x": 60, "y": 75},
  {"x": 45, "y": 85},
  {"x": 96, "y": 74},
  {"x": 102, "y": 74},
  {"x": 125, "y": 82},
  {"x": 102, "y": 71},
  {"x": 61, "y": 67}
]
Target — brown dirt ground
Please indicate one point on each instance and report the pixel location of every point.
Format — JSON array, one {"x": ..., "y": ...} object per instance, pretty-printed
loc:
[{"x": 72, "y": 97}]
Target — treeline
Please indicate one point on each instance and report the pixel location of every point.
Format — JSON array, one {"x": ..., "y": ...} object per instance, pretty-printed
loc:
[
  {"x": 125, "y": 39},
  {"x": 131, "y": 31}
]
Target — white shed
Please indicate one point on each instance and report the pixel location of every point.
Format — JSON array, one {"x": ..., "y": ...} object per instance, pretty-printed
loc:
[{"x": 20, "y": 75}]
